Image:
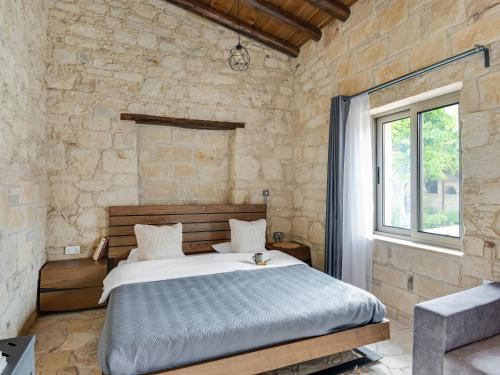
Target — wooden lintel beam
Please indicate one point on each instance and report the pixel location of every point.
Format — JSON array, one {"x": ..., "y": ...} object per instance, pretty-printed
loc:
[
  {"x": 333, "y": 7},
  {"x": 200, "y": 8},
  {"x": 181, "y": 122},
  {"x": 285, "y": 17}
]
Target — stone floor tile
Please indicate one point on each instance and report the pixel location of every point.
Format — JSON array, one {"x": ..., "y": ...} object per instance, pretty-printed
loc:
[{"x": 397, "y": 361}]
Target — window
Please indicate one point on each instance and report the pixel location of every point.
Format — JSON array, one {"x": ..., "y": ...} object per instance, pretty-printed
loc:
[{"x": 418, "y": 172}]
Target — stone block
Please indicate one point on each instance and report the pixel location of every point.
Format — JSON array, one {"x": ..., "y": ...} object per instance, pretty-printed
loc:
[
  {"x": 482, "y": 156},
  {"x": 87, "y": 31},
  {"x": 61, "y": 232},
  {"x": 345, "y": 65},
  {"x": 473, "y": 246},
  {"x": 63, "y": 196},
  {"x": 392, "y": 68},
  {"x": 316, "y": 233},
  {"x": 402, "y": 257},
  {"x": 215, "y": 140},
  {"x": 445, "y": 13},
  {"x": 489, "y": 90},
  {"x": 83, "y": 162},
  {"x": 405, "y": 35},
  {"x": 397, "y": 298},
  {"x": 429, "y": 288},
  {"x": 475, "y": 129},
  {"x": 440, "y": 267},
  {"x": 94, "y": 139},
  {"x": 64, "y": 56},
  {"x": 125, "y": 37},
  {"x": 186, "y": 137},
  {"x": 362, "y": 32},
  {"x": 381, "y": 252},
  {"x": 117, "y": 197},
  {"x": 357, "y": 83},
  {"x": 210, "y": 155},
  {"x": 482, "y": 31},
  {"x": 147, "y": 40},
  {"x": 161, "y": 188},
  {"x": 271, "y": 169},
  {"x": 372, "y": 54},
  {"x": 173, "y": 153},
  {"x": 389, "y": 275},
  {"x": 238, "y": 196},
  {"x": 154, "y": 134},
  {"x": 428, "y": 51},
  {"x": 92, "y": 218},
  {"x": 246, "y": 168},
  {"x": 121, "y": 161},
  {"x": 480, "y": 268},
  {"x": 184, "y": 171},
  {"x": 394, "y": 13}
]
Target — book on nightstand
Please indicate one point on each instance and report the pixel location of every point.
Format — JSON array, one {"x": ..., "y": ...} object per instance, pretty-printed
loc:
[{"x": 99, "y": 250}]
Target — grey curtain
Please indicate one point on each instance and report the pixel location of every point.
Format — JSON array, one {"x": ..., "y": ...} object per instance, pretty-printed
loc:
[{"x": 333, "y": 224}]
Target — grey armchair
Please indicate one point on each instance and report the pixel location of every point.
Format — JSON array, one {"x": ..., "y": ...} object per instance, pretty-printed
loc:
[{"x": 458, "y": 333}]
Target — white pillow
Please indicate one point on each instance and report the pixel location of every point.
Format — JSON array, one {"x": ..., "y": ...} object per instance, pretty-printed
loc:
[
  {"x": 248, "y": 236},
  {"x": 133, "y": 256},
  {"x": 223, "y": 247},
  {"x": 158, "y": 242}
]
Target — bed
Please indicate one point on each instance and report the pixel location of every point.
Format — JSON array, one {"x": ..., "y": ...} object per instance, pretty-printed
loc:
[{"x": 219, "y": 313}]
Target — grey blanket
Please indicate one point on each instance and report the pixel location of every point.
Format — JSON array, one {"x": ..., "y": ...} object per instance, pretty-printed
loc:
[{"x": 159, "y": 325}]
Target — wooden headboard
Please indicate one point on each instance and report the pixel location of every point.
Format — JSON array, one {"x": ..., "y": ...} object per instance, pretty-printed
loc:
[{"x": 202, "y": 225}]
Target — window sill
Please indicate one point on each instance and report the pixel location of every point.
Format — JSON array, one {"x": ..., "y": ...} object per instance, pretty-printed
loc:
[{"x": 418, "y": 245}]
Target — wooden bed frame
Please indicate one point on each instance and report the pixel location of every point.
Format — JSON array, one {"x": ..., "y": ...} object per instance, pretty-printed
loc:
[{"x": 203, "y": 226}]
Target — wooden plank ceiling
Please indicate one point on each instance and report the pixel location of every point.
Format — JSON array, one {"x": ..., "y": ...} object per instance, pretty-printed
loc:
[{"x": 284, "y": 25}]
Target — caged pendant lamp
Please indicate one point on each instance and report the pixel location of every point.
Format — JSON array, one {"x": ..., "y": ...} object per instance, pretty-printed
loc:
[{"x": 239, "y": 58}]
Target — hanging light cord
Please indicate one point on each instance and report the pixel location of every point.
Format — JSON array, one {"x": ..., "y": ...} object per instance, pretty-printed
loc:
[{"x": 239, "y": 40}]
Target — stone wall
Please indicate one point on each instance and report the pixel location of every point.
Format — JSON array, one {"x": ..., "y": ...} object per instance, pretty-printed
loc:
[
  {"x": 145, "y": 56},
  {"x": 23, "y": 184},
  {"x": 380, "y": 41}
]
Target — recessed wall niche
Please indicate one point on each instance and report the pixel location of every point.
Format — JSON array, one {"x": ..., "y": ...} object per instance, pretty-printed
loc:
[{"x": 182, "y": 165}]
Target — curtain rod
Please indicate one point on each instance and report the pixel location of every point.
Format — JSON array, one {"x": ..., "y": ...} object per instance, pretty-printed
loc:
[{"x": 477, "y": 49}]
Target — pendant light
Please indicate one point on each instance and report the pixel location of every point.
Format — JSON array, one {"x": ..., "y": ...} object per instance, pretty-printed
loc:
[{"x": 239, "y": 58}]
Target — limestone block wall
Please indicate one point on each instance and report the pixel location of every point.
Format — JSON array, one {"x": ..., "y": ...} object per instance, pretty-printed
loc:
[
  {"x": 150, "y": 57},
  {"x": 380, "y": 41},
  {"x": 183, "y": 166},
  {"x": 23, "y": 183}
]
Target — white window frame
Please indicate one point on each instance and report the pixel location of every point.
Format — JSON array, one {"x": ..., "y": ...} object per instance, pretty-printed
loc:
[{"x": 412, "y": 111}]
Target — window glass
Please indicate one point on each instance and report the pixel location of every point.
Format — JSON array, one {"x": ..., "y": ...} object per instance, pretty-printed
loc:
[
  {"x": 440, "y": 171},
  {"x": 396, "y": 140}
]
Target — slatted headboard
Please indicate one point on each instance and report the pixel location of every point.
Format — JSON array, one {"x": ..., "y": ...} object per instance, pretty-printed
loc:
[{"x": 202, "y": 225}]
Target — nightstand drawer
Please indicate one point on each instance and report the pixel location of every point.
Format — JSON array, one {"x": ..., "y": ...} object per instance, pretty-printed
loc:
[
  {"x": 67, "y": 300},
  {"x": 78, "y": 273},
  {"x": 303, "y": 254}
]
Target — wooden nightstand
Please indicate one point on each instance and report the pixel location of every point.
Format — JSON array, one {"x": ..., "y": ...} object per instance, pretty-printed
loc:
[
  {"x": 301, "y": 252},
  {"x": 74, "y": 284}
]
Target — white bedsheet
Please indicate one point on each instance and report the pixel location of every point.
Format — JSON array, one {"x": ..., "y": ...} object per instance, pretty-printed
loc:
[{"x": 195, "y": 265}]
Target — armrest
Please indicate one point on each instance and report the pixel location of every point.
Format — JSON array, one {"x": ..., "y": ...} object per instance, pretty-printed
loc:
[{"x": 446, "y": 323}]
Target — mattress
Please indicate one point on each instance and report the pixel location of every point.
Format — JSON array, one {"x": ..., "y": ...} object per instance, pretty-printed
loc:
[{"x": 166, "y": 323}]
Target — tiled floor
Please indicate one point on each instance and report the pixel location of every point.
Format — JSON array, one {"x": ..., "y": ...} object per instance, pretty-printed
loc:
[{"x": 67, "y": 345}]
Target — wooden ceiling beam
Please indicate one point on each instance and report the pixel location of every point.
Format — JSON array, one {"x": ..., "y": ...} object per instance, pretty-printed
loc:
[
  {"x": 283, "y": 16},
  {"x": 333, "y": 7},
  {"x": 201, "y": 9}
]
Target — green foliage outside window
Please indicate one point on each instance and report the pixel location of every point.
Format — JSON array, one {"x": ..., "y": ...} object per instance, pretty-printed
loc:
[{"x": 440, "y": 157}]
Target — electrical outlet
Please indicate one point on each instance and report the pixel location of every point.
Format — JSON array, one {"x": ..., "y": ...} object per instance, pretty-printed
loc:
[{"x": 72, "y": 250}]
